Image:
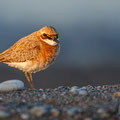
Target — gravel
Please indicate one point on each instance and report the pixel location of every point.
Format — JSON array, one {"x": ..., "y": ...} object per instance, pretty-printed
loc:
[{"x": 62, "y": 103}]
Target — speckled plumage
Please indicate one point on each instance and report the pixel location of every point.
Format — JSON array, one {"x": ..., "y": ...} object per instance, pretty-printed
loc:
[{"x": 32, "y": 53}]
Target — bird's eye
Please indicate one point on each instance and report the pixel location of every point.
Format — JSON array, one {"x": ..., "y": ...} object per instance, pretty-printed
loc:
[
  {"x": 57, "y": 36},
  {"x": 44, "y": 34}
]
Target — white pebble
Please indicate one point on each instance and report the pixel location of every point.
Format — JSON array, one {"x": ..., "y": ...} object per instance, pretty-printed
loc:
[
  {"x": 1, "y": 99},
  {"x": 55, "y": 112},
  {"x": 37, "y": 111},
  {"x": 11, "y": 85},
  {"x": 74, "y": 87},
  {"x": 83, "y": 92},
  {"x": 80, "y": 91},
  {"x": 25, "y": 116}
]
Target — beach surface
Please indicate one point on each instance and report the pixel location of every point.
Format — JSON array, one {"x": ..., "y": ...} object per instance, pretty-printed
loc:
[{"x": 62, "y": 103}]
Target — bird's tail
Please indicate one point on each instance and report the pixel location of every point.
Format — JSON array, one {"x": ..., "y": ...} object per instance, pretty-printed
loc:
[{"x": 3, "y": 56}]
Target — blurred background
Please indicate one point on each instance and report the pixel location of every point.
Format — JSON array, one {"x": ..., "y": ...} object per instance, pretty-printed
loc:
[{"x": 89, "y": 32}]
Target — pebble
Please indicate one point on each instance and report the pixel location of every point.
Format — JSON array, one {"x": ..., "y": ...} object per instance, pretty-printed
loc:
[
  {"x": 100, "y": 111},
  {"x": 83, "y": 92},
  {"x": 104, "y": 115},
  {"x": 88, "y": 118},
  {"x": 80, "y": 91},
  {"x": 116, "y": 94},
  {"x": 11, "y": 85},
  {"x": 72, "y": 111},
  {"x": 41, "y": 90},
  {"x": 38, "y": 111},
  {"x": 55, "y": 112},
  {"x": 74, "y": 87},
  {"x": 4, "y": 114},
  {"x": 44, "y": 96},
  {"x": 25, "y": 116},
  {"x": 1, "y": 99}
]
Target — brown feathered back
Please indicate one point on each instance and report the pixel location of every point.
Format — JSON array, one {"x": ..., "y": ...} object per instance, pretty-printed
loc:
[{"x": 23, "y": 50}]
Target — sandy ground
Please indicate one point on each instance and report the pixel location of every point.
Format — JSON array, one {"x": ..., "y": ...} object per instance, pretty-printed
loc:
[{"x": 62, "y": 103}]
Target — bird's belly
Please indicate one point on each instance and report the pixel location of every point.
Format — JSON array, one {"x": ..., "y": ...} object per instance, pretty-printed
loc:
[{"x": 31, "y": 66}]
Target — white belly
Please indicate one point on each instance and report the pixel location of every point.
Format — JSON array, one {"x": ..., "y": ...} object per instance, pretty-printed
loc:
[{"x": 29, "y": 66}]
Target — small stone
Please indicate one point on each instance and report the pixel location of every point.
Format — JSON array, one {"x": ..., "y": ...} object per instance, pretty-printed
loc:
[
  {"x": 104, "y": 115},
  {"x": 72, "y": 111},
  {"x": 116, "y": 94},
  {"x": 80, "y": 91},
  {"x": 55, "y": 112},
  {"x": 25, "y": 116},
  {"x": 1, "y": 99},
  {"x": 83, "y": 92},
  {"x": 100, "y": 111},
  {"x": 38, "y": 111},
  {"x": 11, "y": 85},
  {"x": 44, "y": 96},
  {"x": 74, "y": 87},
  {"x": 4, "y": 114},
  {"x": 98, "y": 87},
  {"x": 87, "y": 118},
  {"x": 41, "y": 90},
  {"x": 23, "y": 101},
  {"x": 73, "y": 90},
  {"x": 83, "y": 88}
]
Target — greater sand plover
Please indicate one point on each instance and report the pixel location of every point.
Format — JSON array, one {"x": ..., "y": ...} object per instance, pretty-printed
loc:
[{"x": 34, "y": 52}]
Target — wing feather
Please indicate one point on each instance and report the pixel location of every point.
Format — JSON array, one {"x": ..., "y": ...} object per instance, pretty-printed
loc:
[{"x": 21, "y": 51}]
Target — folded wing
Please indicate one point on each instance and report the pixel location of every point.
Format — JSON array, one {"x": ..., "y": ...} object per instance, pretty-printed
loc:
[{"x": 21, "y": 51}]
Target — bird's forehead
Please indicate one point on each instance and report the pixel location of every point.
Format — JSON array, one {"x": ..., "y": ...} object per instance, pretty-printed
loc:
[{"x": 48, "y": 30}]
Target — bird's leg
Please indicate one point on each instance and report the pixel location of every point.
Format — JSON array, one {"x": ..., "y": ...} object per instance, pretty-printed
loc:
[
  {"x": 31, "y": 80},
  {"x": 26, "y": 75}
]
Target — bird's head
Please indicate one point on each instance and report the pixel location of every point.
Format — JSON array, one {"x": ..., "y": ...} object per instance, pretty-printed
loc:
[{"x": 49, "y": 35}]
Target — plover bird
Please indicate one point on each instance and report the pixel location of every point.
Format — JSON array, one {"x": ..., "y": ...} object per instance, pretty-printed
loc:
[{"x": 34, "y": 52}]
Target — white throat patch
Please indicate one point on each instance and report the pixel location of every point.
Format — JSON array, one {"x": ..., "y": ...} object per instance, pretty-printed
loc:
[{"x": 50, "y": 42}]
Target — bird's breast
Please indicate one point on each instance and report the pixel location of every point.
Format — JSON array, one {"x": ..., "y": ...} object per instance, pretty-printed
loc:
[{"x": 45, "y": 58}]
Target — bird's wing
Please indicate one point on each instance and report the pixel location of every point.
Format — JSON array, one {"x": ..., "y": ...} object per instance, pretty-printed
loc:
[{"x": 21, "y": 51}]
